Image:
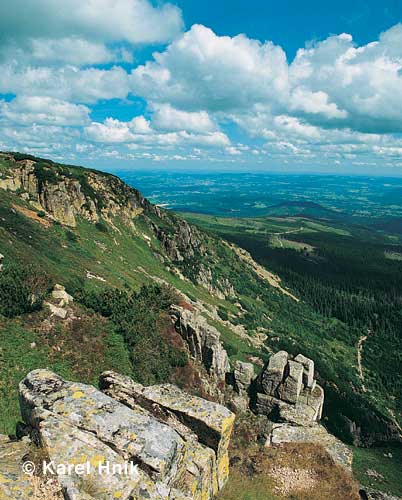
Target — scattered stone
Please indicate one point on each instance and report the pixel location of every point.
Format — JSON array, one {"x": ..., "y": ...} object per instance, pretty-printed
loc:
[
  {"x": 59, "y": 293},
  {"x": 292, "y": 481},
  {"x": 58, "y": 312}
]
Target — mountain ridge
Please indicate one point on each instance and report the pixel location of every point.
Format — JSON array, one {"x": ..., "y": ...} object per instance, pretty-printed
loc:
[{"x": 119, "y": 239}]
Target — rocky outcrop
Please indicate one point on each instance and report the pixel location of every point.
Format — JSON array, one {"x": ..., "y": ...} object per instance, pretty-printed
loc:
[
  {"x": 180, "y": 244},
  {"x": 65, "y": 195},
  {"x": 212, "y": 423},
  {"x": 178, "y": 442},
  {"x": 203, "y": 342},
  {"x": 288, "y": 392},
  {"x": 290, "y": 397}
]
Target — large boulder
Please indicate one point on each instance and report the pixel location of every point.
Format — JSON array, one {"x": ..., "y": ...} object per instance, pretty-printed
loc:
[
  {"x": 243, "y": 375},
  {"x": 273, "y": 373},
  {"x": 212, "y": 423},
  {"x": 288, "y": 392},
  {"x": 76, "y": 423}
]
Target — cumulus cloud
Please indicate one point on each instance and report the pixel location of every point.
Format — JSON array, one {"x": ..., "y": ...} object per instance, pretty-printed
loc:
[
  {"x": 68, "y": 82},
  {"x": 201, "y": 70},
  {"x": 363, "y": 82},
  {"x": 134, "y": 21},
  {"x": 167, "y": 118},
  {"x": 138, "y": 131},
  {"x": 43, "y": 110},
  {"x": 335, "y": 101}
]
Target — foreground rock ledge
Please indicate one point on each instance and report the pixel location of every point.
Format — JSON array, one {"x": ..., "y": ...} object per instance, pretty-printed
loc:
[{"x": 179, "y": 441}]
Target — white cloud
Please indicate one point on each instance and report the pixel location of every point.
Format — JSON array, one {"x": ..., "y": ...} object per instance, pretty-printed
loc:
[
  {"x": 365, "y": 82},
  {"x": 315, "y": 103},
  {"x": 203, "y": 71},
  {"x": 67, "y": 83},
  {"x": 134, "y": 21},
  {"x": 167, "y": 118},
  {"x": 138, "y": 131},
  {"x": 44, "y": 111}
]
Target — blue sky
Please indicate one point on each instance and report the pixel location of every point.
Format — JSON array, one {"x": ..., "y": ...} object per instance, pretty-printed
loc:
[{"x": 257, "y": 85}]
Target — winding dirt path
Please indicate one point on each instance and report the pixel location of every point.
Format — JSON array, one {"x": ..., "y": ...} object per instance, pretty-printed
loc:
[{"x": 360, "y": 343}]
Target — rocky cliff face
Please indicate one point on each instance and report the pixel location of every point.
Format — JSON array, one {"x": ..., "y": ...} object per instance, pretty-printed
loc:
[
  {"x": 178, "y": 443},
  {"x": 203, "y": 343},
  {"x": 65, "y": 196}
]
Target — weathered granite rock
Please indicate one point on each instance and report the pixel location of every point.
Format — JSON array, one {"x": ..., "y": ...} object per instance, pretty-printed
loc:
[
  {"x": 157, "y": 447},
  {"x": 308, "y": 372},
  {"x": 14, "y": 484},
  {"x": 287, "y": 391},
  {"x": 212, "y": 423},
  {"x": 57, "y": 311},
  {"x": 59, "y": 294},
  {"x": 64, "y": 197},
  {"x": 203, "y": 341},
  {"x": 290, "y": 389},
  {"x": 274, "y": 372},
  {"x": 286, "y": 433},
  {"x": 243, "y": 375},
  {"x": 156, "y": 428}
]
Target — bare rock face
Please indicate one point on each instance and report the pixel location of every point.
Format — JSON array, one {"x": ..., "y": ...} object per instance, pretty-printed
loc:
[
  {"x": 288, "y": 392},
  {"x": 178, "y": 442},
  {"x": 203, "y": 341},
  {"x": 273, "y": 374}
]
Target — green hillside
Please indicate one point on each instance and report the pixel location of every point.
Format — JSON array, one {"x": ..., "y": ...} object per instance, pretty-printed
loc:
[{"x": 118, "y": 240}]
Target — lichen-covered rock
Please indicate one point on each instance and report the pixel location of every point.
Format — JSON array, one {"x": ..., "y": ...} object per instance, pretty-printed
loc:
[
  {"x": 203, "y": 341},
  {"x": 14, "y": 484},
  {"x": 78, "y": 424},
  {"x": 156, "y": 446},
  {"x": 287, "y": 433},
  {"x": 211, "y": 422}
]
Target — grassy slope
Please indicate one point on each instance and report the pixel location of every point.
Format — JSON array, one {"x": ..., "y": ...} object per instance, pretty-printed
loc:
[
  {"x": 123, "y": 258},
  {"x": 79, "y": 351},
  {"x": 334, "y": 346}
]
